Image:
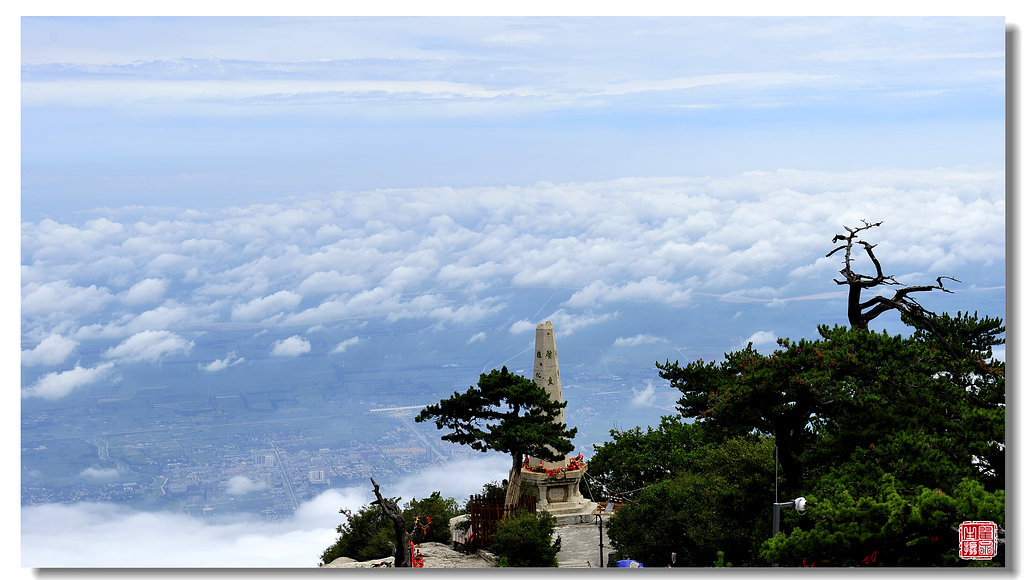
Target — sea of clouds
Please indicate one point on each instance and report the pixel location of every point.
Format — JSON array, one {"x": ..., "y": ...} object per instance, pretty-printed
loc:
[{"x": 138, "y": 284}]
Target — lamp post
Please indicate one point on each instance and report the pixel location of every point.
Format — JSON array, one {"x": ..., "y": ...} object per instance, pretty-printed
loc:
[
  {"x": 613, "y": 500},
  {"x": 799, "y": 504}
]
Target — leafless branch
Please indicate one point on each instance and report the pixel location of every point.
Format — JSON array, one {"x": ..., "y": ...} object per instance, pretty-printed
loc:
[{"x": 861, "y": 313}]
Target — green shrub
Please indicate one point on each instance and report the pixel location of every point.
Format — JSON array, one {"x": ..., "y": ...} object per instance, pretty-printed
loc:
[
  {"x": 370, "y": 535},
  {"x": 440, "y": 511},
  {"x": 366, "y": 535},
  {"x": 524, "y": 540}
]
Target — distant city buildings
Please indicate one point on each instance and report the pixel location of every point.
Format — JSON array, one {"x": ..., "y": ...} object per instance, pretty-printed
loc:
[{"x": 187, "y": 456}]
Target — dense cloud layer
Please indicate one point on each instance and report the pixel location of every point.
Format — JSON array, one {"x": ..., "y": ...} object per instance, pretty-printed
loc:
[
  {"x": 140, "y": 282},
  {"x": 118, "y": 537}
]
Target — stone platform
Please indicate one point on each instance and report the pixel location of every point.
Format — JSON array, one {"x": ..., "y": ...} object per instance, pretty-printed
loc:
[{"x": 559, "y": 494}]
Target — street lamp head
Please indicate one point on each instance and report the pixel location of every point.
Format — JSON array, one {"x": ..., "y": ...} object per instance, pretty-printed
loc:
[{"x": 800, "y": 504}]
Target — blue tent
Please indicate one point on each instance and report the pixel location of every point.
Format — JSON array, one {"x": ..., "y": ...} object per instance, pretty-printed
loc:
[{"x": 629, "y": 564}]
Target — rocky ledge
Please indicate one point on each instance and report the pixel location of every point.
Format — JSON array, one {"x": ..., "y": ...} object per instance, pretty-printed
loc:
[{"x": 435, "y": 555}]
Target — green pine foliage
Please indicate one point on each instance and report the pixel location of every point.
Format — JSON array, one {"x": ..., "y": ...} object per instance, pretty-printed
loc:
[
  {"x": 505, "y": 412},
  {"x": 893, "y": 440},
  {"x": 714, "y": 502},
  {"x": 638, "y": 457},
  {"x": 884, "y": 528}
]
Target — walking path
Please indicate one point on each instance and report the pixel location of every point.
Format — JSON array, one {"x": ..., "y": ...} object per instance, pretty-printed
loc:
[{"x": 580, "y": 545}]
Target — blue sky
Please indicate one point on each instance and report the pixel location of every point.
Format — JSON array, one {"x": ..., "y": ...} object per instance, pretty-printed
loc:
[
  {"x": 227, "y": 110},
  {"x": 670, "y": 186}
]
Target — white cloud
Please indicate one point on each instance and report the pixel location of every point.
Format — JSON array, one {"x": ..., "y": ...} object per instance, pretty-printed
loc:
[
  {"x": 343, "y": 345},
  {"x": 61, "y": 296},
  {"x": 749, "y": 80},
  {"x": 521, "y": 326},
  {"x": 222, "y": 363},
  {"x": 119, "y": 537},
  {"x": 650, "y": 289},
  {"x": 405, "y": 275},
  {"x": 477, "y": 337},
  {"x": 241, "y": 485},
  {"x": 643, "y": 397},
  {"x": 457, "y": 479},
  {"x": 638, "y": 340},
  {"x": 149, "y": 346},
  {"x": 567, "y": 323},
  {"x": 58, "y": 384},
  {"x": 460, "y": 256},
  {"x": 52, "y": 350},
  {"x": 145, "y": 291},
  {"x": 762, "y": 339},
  {"x": 100, "y": 475},
  {"x": 291, "y": 346},
  {"x": 467, "y": 313},
  {"x": 999, "y": 353},
  {"x": 330, "y": 283},
  {"x": 375, "y": 302},
  {"x": 161, "y": 318},
  {"x": 266, "y": 307}
]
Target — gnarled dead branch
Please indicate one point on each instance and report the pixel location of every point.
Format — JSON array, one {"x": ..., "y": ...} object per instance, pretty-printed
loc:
[
  {"x": 402, "y": 556},
  {"x": 861, "y": 313}
]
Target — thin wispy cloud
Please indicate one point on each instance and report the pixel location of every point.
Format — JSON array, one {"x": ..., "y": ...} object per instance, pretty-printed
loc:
[
  {"x": 638, "y": 340},
  {"x": 100, "y": 475},
  {"x": 509, "y": 101},
  {"x": 345, "y": 344},
  {"x": 204, "y": 74},
  {"x": 222, "y": 363}
]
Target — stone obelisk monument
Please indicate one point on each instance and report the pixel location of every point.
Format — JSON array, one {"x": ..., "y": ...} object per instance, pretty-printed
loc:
[
  {"x": 558, "y": 482},
  {"x": 545, "y": 374}
]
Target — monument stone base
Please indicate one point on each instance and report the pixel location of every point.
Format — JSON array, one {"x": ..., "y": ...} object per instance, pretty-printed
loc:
[{"x": 559, "y": 493}]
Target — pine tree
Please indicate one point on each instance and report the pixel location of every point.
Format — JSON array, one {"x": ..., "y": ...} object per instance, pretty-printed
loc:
[{"x": 506, "y": 412}]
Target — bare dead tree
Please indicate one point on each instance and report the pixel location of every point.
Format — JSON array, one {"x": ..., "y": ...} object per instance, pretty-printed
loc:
[
  {"x": 861, "y": 313},
  {"x": 402, "y": 557}
]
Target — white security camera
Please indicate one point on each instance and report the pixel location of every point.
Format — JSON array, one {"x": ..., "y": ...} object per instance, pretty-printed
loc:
[{"x": 800, "y": 504}]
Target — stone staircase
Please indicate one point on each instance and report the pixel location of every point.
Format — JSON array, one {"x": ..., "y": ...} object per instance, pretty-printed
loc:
[{"x": 572, "y": 512}]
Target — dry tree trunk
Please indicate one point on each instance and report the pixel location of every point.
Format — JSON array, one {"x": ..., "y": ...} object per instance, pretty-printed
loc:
[
  {"x": 515, "y": 482},
  {"x": 401, "y": 535}
]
